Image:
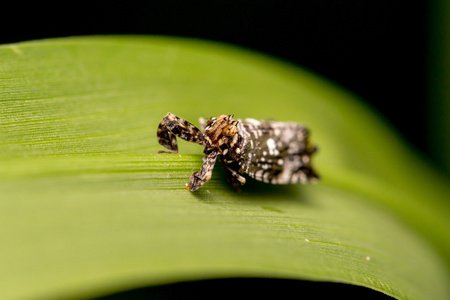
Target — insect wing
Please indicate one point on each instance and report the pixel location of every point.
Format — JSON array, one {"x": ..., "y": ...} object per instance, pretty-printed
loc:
[{"x": 278, "y": 153}]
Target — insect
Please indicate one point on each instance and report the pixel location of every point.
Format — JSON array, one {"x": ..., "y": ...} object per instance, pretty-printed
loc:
[{"x": 268, "y": 151}]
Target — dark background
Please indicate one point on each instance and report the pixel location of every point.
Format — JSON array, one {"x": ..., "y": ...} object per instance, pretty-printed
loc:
[{"x": 376, "y": 49}]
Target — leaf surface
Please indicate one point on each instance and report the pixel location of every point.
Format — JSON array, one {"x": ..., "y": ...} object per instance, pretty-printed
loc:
[{"x": 87, "y": 207}]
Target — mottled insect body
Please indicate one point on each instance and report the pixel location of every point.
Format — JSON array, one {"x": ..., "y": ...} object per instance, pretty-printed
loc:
[{"x": 272, "y": 152}]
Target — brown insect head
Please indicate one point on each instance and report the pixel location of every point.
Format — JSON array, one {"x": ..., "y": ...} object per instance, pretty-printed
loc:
[{"x": 220, "y": 130}]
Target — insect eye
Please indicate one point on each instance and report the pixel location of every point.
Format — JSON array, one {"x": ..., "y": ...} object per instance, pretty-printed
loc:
[
  {"x": 210, "y": 121},
  {"x": 230, "y": 130}
]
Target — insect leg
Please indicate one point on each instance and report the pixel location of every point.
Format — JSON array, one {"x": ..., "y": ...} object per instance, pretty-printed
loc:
[
  {"x": 167, "y": 139},
  {"x": 199, "y": 178},
  {"x": 233, "y": 177},
  {"x": 202, "y": 123},
  {"x": 172, "y": 127}
]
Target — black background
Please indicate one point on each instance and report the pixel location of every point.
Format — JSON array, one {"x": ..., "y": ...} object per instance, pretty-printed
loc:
[
  {"x": 249, "y": 288},
  {"x": 376, "y": 49}
]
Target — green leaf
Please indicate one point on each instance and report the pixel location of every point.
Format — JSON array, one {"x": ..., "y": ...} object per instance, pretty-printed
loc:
[{"x": 88, "y": 208}]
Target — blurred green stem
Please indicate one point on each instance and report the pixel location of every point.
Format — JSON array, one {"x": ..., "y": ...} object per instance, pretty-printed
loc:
[{"x": 439, "y": 83}]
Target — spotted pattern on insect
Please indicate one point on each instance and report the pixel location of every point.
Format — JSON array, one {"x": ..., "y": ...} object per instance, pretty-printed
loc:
[{"x": 268, "y": 151}]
